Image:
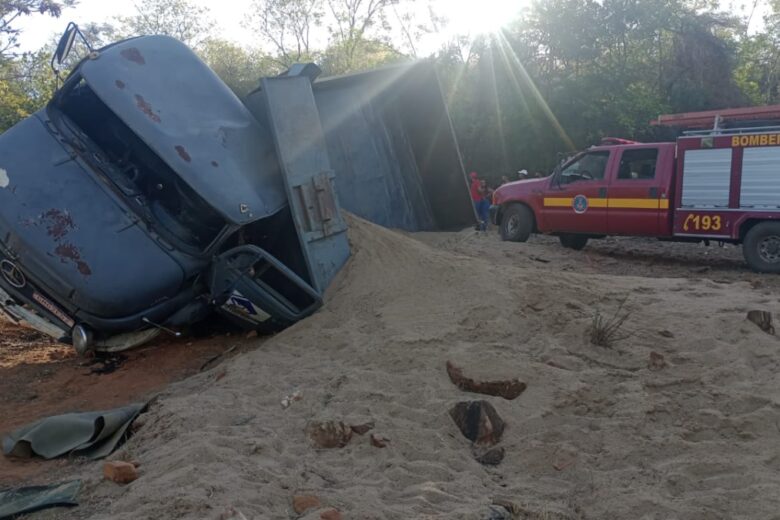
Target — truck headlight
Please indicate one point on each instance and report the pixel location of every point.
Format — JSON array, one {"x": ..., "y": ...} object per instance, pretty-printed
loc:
[{"x": 81, "y": 336}]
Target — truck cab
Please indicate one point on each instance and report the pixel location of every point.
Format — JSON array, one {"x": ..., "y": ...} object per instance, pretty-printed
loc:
[{"x": 611, "y": 189}]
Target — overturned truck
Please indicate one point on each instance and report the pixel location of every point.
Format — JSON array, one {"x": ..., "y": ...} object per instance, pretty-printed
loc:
[{"x": 146, "y": 196}]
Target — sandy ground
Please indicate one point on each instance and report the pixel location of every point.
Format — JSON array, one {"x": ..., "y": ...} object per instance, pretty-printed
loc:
[{"x": 692, "y": 437}]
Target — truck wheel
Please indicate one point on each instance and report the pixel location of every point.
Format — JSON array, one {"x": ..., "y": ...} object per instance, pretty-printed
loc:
[
  {"x": 761, "y": 247},
  {"x": 517, "y": 223},
  {"x": 576, "y": 242}
]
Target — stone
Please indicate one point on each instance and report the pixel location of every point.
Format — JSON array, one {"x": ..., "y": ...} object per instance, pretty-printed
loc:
[
  {"x": 508, "y": 389},
  {"x": 329, "y": 434},
  {"x": 490, "y": 457},
  {"x": 478, "y": 421},
  {"x": 290, "y": 399},
  {"x": 666, "y": 333},
  {"x": 657, "y": 361},
  {"x": 302, "y": 503},
  {"x": 564, "y": 459},
  {"x": 232, "y": 514},
  {"x": 119, "y": 471},
  {"x": 330, "y": 514},
  {"x": 362, "y": 429},
  {"x": 763, "y": 319},
  {"x": 378, "y": 441}
]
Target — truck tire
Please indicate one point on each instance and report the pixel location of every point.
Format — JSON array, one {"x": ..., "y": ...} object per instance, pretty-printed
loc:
[
  {"x": 576, "y": 242},
  {"x": 517, "y": 223},
  {"x": 761, "y": 247}
]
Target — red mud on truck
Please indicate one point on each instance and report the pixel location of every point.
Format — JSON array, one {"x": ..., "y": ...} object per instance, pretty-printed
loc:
[{"x": 718, "y": 184}]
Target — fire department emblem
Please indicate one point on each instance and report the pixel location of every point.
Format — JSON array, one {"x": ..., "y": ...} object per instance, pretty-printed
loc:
[{"x": 580, "y": 204}]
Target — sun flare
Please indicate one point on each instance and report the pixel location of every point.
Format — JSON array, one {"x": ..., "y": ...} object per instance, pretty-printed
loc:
[{"x": 482, "y": 16}]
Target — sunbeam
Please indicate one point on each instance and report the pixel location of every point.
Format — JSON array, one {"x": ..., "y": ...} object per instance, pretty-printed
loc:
[{"x": 515, "y": 66}]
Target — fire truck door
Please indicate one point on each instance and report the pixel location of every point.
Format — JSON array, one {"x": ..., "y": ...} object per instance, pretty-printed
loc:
[
  {"x": 576, "y": 200},
  {"x": 637, "y": 193}
]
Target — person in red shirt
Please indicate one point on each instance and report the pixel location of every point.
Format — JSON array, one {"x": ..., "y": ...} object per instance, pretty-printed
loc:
[{"x": 479, "y": 197}]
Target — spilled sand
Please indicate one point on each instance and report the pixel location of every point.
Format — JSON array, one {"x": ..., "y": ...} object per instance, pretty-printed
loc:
[{"x": 599, "y": 433}]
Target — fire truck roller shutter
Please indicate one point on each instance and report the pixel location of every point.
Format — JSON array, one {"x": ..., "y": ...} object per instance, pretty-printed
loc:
[
  {"x": 706, "y": 178},
  {"x": 760, "y": 178}
]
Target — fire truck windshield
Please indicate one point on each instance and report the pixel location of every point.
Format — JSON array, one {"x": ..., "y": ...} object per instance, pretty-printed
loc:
[{"x": 586, "y": 167}]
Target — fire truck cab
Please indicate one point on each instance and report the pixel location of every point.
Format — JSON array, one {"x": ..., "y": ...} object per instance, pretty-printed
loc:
[{"x": 720, "y": 184}]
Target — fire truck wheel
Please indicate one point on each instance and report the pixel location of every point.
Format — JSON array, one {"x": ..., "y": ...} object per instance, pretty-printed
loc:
[
  {"x": 576, "y": 242},
  {"x": 761, "y": 247},
  {"x": 517, "y": 223}
]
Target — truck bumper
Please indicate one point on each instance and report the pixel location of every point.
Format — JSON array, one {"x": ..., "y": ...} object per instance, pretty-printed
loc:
[{"x": 494, "y": 214}]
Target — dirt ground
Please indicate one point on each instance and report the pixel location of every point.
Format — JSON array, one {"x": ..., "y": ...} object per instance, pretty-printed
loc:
[
  {"x": 615, "y": 256},
  {"x": 678, "y": 420},
  {"x": 39, "y": 378}
]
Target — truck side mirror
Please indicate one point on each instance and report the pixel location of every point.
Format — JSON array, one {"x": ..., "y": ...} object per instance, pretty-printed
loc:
[{"x": 64, "y": 46}]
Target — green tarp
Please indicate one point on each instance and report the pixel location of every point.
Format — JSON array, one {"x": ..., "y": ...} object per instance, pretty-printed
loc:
[
  {"x": 92, "y": 434},
  {"x": 28, "y": 499}
]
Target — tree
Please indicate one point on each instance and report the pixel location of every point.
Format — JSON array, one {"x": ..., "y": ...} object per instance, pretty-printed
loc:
[
  {"x": 570, "y": 72},
  {"x": 26, "y": 85},
  {"x": 239, "y": 68},
  {"x": 287, "y": 26},
  {"x": 758, "y": 71},
  {"x": 180, "y": 19},
  {"x": 12, "y": 10},
  {"x": 408, "y": 21},
  {"x": 352, "y": 22},
  {"x": 368, "y": 54}
]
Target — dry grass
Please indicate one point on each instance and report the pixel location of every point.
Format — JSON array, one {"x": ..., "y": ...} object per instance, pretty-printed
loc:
[{"x": 605, "y": 332}]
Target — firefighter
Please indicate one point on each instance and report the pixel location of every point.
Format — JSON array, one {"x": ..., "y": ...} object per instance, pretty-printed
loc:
[{"x": 480, "y": 201}]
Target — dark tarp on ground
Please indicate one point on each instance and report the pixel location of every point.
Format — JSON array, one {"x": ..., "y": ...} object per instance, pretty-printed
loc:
[
  {"x": 91, "y": 434},
  {"x": 34, "y": 498}
]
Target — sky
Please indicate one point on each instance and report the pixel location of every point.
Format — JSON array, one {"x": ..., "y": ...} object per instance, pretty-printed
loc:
[{"x": 465, "y": 16}]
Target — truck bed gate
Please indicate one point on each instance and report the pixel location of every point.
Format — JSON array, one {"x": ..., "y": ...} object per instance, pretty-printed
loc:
[{"x": 308, "y": 178}]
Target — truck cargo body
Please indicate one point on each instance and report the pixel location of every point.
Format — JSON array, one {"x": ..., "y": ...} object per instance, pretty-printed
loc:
[
  {"x": 146, "y": 195},
  {"x": 728, "y": 183}
]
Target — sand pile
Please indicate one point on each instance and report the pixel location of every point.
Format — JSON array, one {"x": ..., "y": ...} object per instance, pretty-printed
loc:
[{"x": 599, "y": 433}]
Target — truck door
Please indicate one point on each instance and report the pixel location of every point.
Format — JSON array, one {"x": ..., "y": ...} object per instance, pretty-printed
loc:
[
  {"x": 576, "y": 199},
  {"x": 638, "y": 191}
]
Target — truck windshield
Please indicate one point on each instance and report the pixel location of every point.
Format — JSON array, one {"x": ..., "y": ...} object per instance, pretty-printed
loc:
[
  {"x": 148, "y": 182},
  {"x": 587, "y": 167}
]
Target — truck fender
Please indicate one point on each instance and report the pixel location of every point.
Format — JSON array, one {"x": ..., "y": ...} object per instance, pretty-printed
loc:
[
  {"x": 503, "y": 207},
  {"x": 746, "y": 223}
]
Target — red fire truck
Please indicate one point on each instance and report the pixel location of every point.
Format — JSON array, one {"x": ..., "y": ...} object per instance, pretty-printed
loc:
[{"x": 721, "y": 184}]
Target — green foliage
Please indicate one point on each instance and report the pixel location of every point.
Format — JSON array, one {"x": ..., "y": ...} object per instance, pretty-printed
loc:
[
  {"x": 358, "y": 32},
  {"x": 357, "y": 56},
  {"x": 12, "y": 10},
  {"x": 570, "y": 72},
  {"x": 239, "y": 68},
  {"x": 181, "y": 19},
  {"x": 26, "y": 84},
  {"x": 287, "y": 26},
  {"x": 561, "y": 77}
]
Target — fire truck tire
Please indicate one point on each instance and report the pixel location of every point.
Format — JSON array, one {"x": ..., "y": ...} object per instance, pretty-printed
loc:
[
  {"x": 761, "y": 247},
  {"x": 576, "y": 242},
  {"x": 517, "y": 223}
]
